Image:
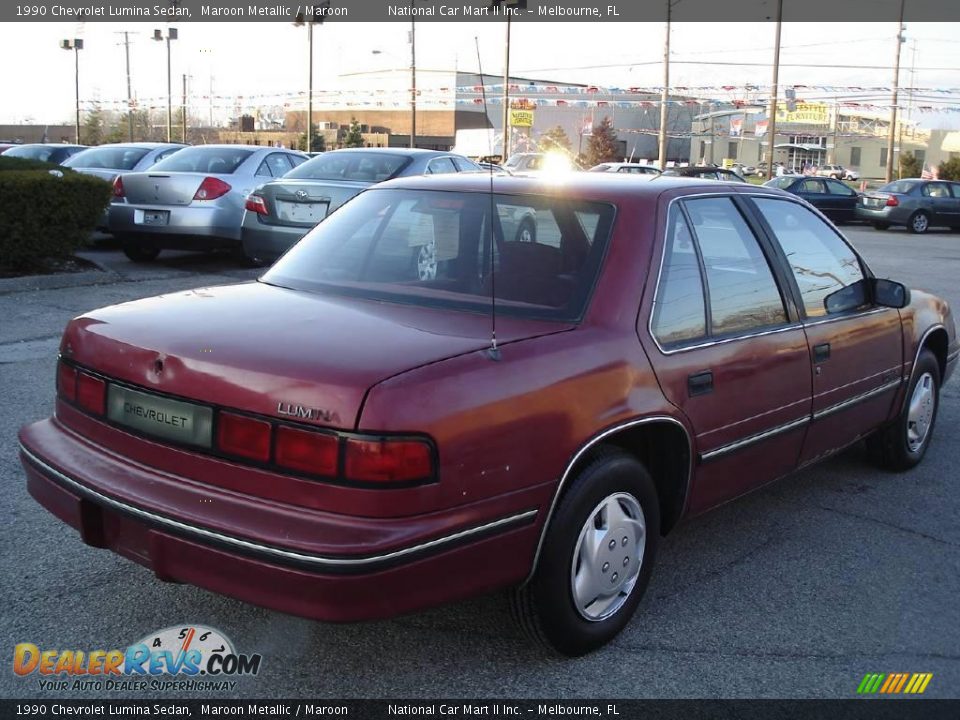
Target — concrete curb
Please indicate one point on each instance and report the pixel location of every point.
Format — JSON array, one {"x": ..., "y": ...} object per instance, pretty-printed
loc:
[{"x": 55, "y": 281}]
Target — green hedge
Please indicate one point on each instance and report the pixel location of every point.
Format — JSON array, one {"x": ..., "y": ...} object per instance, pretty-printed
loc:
[
  {"x": 43, "y": 216},
  {"x": 15, "y": 163}
]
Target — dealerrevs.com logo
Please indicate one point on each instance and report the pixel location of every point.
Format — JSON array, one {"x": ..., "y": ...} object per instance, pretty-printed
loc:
[{"x": 194, "y": 656}]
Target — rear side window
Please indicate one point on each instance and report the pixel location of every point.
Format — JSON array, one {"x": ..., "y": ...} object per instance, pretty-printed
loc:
[
  {"x": 215, "y": 160},
  {"x": 679, "y": 312},
  {"x": 936, "y": 190},
  {"x": 112, "y": 158},
  {"x": 821, "y": 261},
  {"x": 441, "y": 165},
  {"x": 743, "y": 293}
]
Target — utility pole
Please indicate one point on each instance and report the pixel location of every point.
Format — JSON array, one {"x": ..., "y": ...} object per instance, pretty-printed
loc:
[
  {"x": 413, "y": 78},
  {"x": 772, "y": 125},
  {"x": 171, "y": 35},
  {"x": 183, "y": 111},
  {"x": 835, "y": 155},
  {"x": 76, "y": 45},
  {"x": 665, "y": 93},
  {"x": 506, "y": 91},
  {"x": 126, "y": 50},
  {"x": 896, "y": 91},
  {"x": 713, "y": 134}
]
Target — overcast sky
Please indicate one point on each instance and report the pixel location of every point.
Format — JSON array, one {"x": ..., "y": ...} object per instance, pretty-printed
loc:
[{"x": 247, "y": 58}]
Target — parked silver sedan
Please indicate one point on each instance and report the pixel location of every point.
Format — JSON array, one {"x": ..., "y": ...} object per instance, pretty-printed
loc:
[
  {"x": 916, "y": 204},
  {"x": 281, "y": 212},
  {"x": 194, "y": 199},
  {"x": 108, "y": 161}
]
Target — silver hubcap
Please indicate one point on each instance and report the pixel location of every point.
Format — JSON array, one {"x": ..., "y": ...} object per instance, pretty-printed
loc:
[
  {"x": 920, "y": 223},
  {"x": 920, "y": 413},
  {"x": 608, "y": 556},
  {"x": 427, "y": 261}
]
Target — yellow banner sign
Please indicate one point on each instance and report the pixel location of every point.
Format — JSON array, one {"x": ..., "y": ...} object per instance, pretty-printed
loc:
[
  {"x": 808, "y": 113},
  {"x": 521, "y": 118}
]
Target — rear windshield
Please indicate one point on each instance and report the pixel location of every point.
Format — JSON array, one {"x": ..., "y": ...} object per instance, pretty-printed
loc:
[
  {"x": 214, "y": 160},
  {"x": 36, "y": 152},
  {"x": 111, "y": 158},
  {"x": 440, "y": 249},
  {"x": 366, "y": 167},
  {"x": 898, "y": 186}
]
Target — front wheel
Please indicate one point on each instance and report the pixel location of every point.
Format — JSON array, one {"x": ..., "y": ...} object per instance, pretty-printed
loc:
[
  {"x": 919, "y": 223},
  {"x": 901, "y": 445},
  {"x": 596, "y": 559}
]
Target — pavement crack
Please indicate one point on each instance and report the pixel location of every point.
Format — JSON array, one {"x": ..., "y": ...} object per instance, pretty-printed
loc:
[
  {"x": 721, "y": 570},
  {"x": 780, "y": 654},
  {"x": 885, "y": 523}
]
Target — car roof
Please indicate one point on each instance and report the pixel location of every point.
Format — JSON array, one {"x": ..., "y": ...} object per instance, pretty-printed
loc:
[
  {"x": 413, "y": 152},
  {"x": 596, "y": 186}
]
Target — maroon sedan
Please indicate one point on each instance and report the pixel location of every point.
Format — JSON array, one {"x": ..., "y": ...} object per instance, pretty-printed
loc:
[{"x": 418, "y": 404}]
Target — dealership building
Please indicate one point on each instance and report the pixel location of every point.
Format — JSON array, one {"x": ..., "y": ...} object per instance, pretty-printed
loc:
[{"x": 816, "y": 134}]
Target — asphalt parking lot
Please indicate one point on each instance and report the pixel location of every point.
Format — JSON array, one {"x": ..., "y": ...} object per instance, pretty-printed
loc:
[{"x": 797, "y": 590}]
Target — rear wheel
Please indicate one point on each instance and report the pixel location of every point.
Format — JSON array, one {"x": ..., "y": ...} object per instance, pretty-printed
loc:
[
  {"x": 881, "y": 225},
  {"x": 918, "y": 223},
  {"x": 596, "y": 559},
  {"x": 901, "y": 445},
  {"x": 139, "y": 253}
]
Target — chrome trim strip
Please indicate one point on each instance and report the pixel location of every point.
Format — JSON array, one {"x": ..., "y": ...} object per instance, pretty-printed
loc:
[
  {"x": 751, "y": 439},
  {"x": 851, "y": 316},
  {"x": 290, "y": 555},
  {"x": 587, "y": 446},
  {"x": 857, "y": 399}
]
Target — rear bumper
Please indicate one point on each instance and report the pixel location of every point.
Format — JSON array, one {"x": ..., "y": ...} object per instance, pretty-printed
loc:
[
  {"x": 897, "y": 215},
  {"x": 378, "y": 579},
  {"x": 268, "y": 242},
  {"x": 219, "y": 226}
]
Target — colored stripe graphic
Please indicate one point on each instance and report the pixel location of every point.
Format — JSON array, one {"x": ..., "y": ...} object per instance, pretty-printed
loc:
[{"x": 894, "y": 683}]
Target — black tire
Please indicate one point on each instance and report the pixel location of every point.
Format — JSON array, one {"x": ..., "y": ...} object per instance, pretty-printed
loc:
[
  {"x": 545, "y": 608},
  {"x": 243, "y": 260},
  {"x": 918, "y": 223},
  {"x": 139, "y": 253},
  {"x": 881, "y": 225},
  {"x": 891, "y": 447},
  {"x": 526, "y": 232}
]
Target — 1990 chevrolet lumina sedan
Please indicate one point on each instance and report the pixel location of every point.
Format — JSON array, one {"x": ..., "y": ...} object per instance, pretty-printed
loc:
[{"x": 344, "y": 439}]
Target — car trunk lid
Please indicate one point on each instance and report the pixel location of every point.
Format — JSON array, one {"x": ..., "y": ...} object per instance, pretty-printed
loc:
[
  {"x": 304, "y": 203},
  {"x": 270, "y": 350},
  {"x": 165, "y": 188}
]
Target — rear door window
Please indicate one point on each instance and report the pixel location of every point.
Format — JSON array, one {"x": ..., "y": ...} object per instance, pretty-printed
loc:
[
  {"x": 743, "y": 293},
  {"x": 679, "y": 310}
]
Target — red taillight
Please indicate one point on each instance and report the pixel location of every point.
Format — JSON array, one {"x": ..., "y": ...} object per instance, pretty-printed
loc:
[
  {"x": 892, "y": 201},
  {"x": 118, "y": 187},
  {"x": 307, "y": 451},
  {"x": 91, "y": 393},
  {"x": 243, "y": 436},
  {"x": 211, "y": 188},
  {"x": 67, "y": 381},
  {"x": 256, "y": 204},
  {"x": 388, "y": 460}
]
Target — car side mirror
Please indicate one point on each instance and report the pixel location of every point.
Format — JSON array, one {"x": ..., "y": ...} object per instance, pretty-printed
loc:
[
  {"x": 890, "y": 293},
  {"x": 846, "y": 298}
]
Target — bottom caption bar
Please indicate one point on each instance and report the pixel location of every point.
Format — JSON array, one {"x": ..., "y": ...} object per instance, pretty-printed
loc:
[{"x": 867, "y": 709}]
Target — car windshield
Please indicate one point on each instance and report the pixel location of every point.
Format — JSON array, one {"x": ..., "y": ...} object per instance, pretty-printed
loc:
[
  {"x": 364, "y": 166},
  {"x": 898, "y": 186},
  {"x": 33, "y": 152},
  {"x": 112, "y": 158},
  {"x": 433, "y": 249},
  {"x": 216, "y": 160}
]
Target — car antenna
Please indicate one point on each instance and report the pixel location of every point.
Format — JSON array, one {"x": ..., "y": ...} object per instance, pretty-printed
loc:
[{"x": 493, "y": 352}]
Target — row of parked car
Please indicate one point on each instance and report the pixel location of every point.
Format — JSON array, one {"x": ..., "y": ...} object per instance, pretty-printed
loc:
[{"x": 256, "y": 201}]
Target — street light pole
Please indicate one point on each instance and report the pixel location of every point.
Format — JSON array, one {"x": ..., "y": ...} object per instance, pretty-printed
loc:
[
  {"x": 76, "y": 45},
  {"x": 506, "y": 91},
  {"x": 665, "y": 93},
  {"x": 896, "y": 92},
  {"x": 772, "y": 123}
]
